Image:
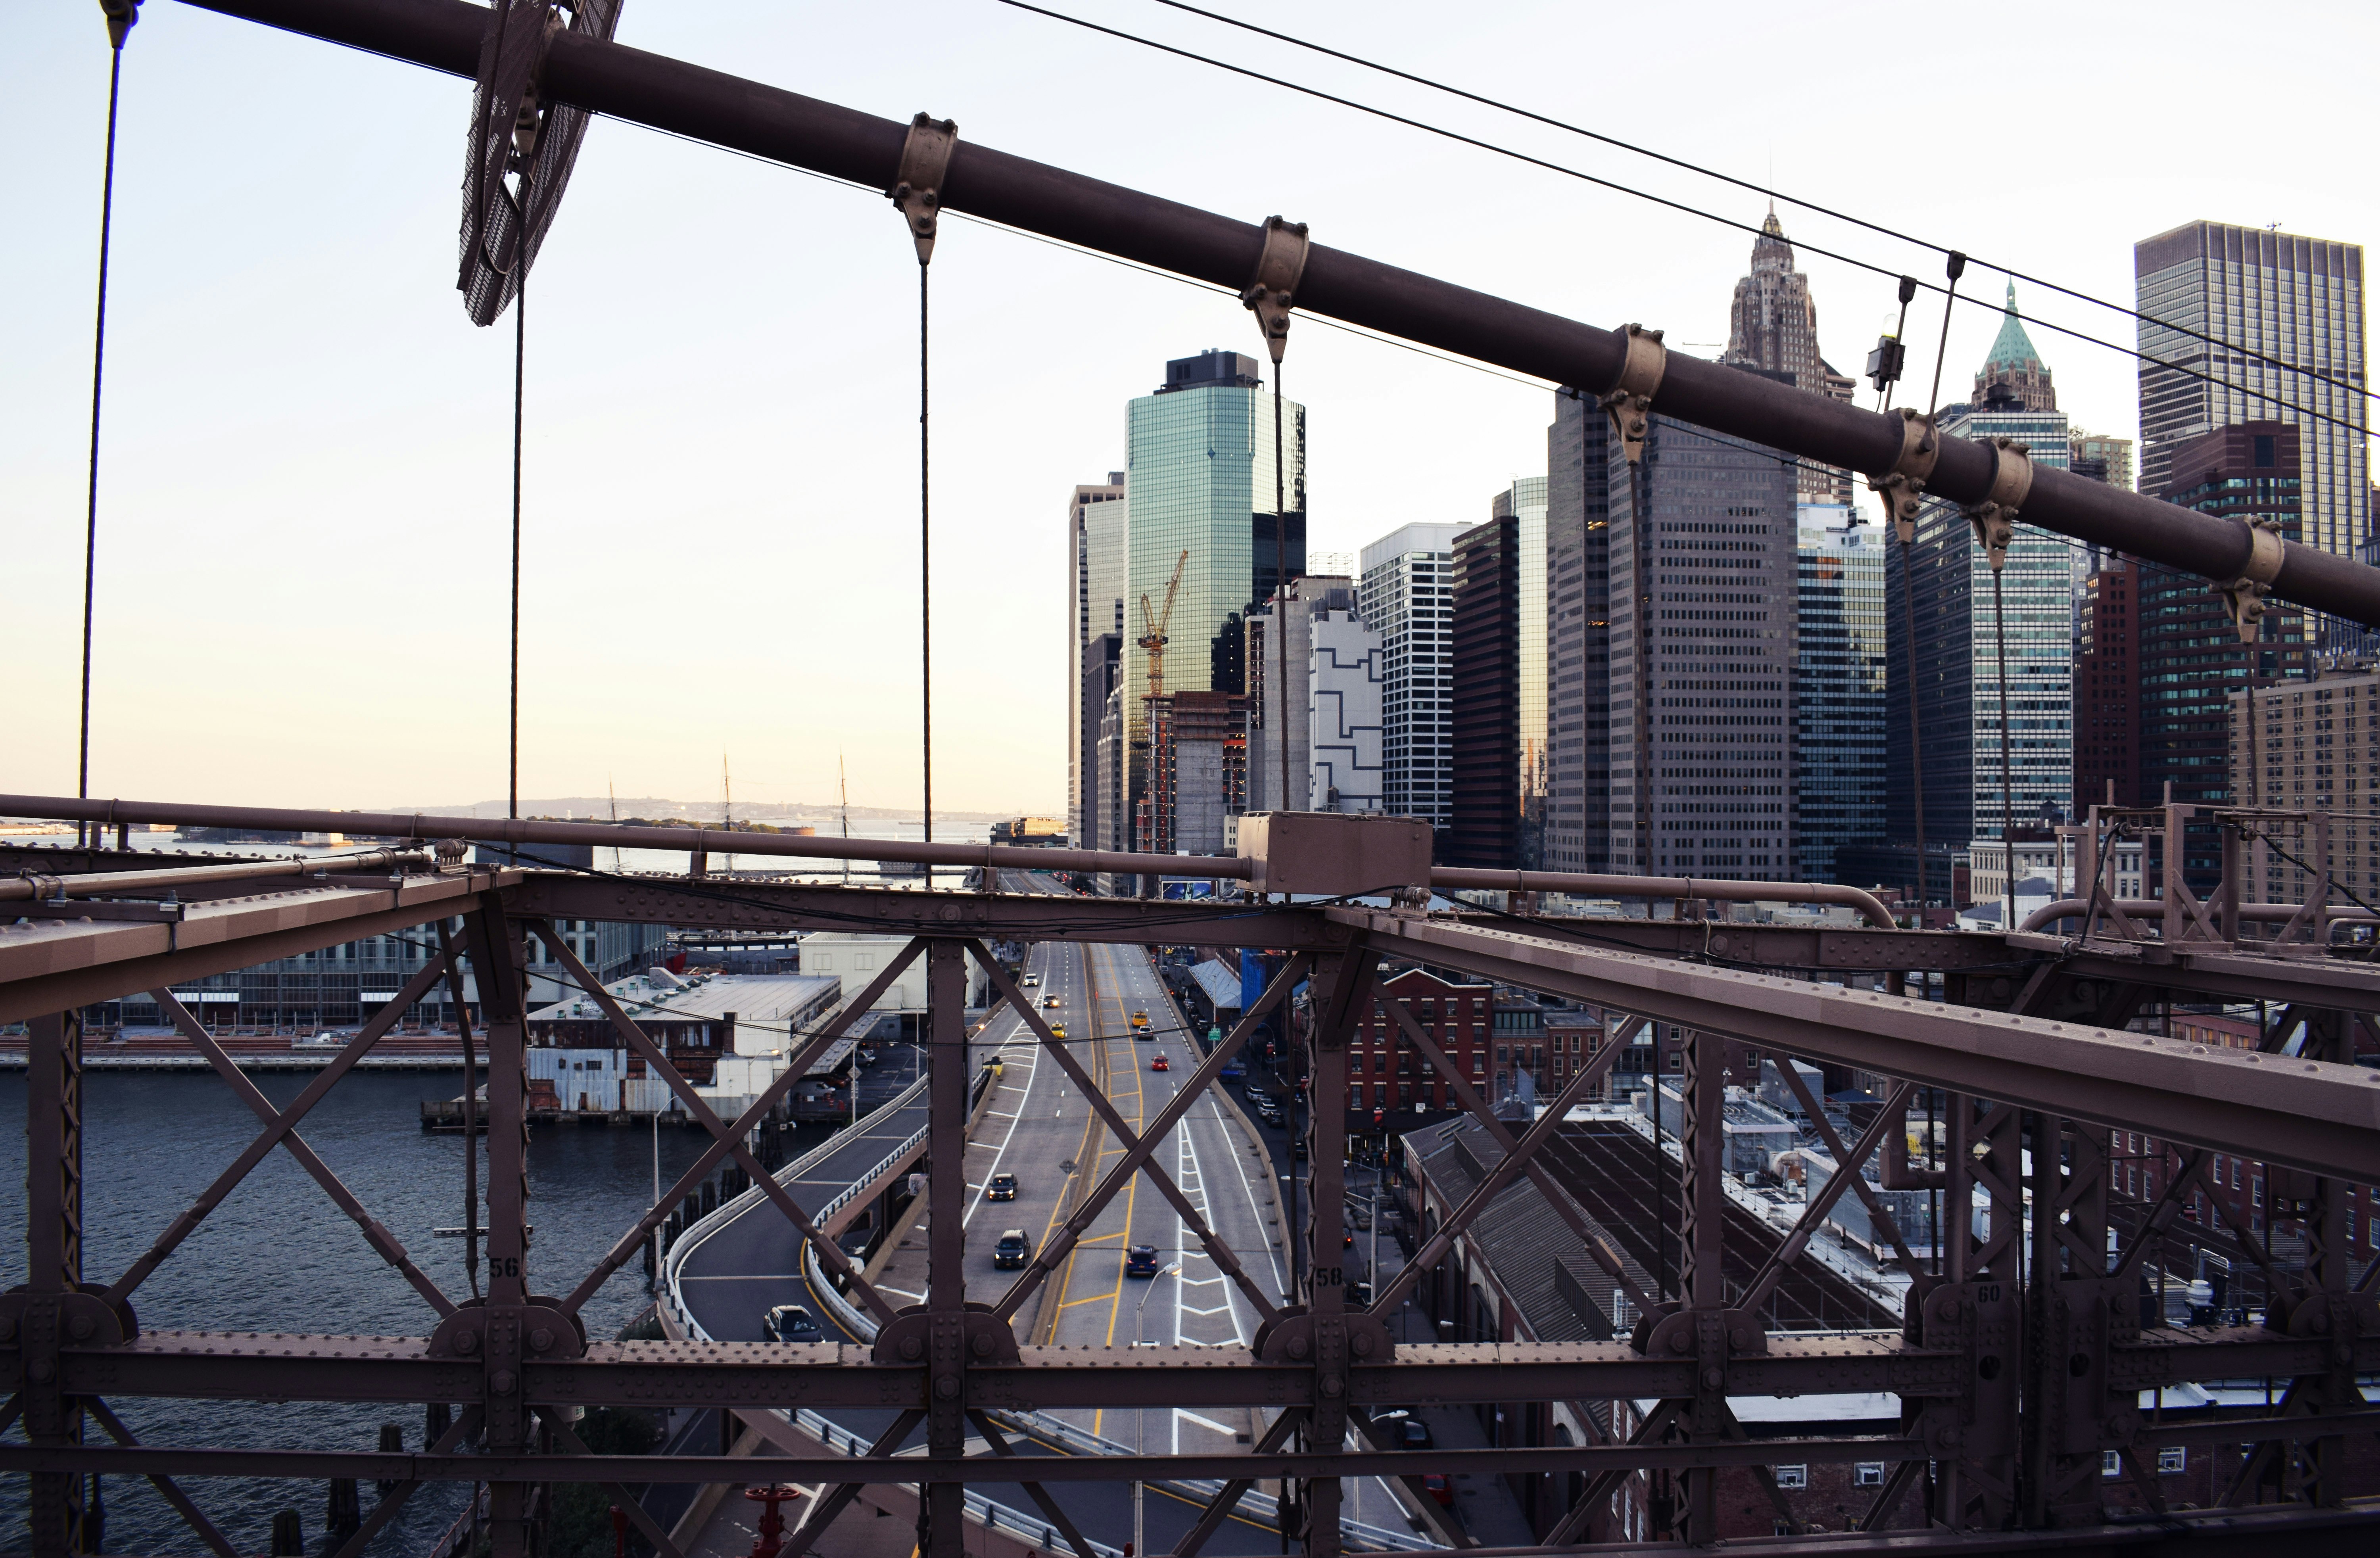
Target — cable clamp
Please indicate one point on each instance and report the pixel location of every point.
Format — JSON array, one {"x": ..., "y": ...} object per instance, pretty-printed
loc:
[
  {"x": 121, "y": 15},
  {"x": 1995, "y": 518},
  {"x": 2245, "y": 595},
  {"x": 1903, "y": 486},
  {"x": 924, "y": 162},
  {"x": 1630, "y": 399},
  {"x": 1279, "y": 270}
]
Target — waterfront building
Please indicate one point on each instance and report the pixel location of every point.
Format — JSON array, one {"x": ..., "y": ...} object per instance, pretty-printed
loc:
[
  {"x": 1838, "y": 689},
  {"x": 1578, "y": 637},
  {"x": 1406, "y": 594},
  {"x": 1200, "y": 479},
  {"x": 1960, "y": 633},
  {"x": 1096, "y": 532},
  {"x": 1332, "y": 721},
  {"x": 2265, "y": 294},
  {"x": 1773, "y": 324},
  {"x": 1703, "y": 727},
  {"x": 2107, "y": 689}
]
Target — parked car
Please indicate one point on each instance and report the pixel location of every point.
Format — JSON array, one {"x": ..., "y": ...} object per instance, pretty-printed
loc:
[
  {"x": 1413, "y": 1434},
  {"x": 1140, "y": 1261},
  {"x": 1233, "y": 1071},
  {"x": 864, "y": 1055},
  {"x": 1001, "y": 1189},
  {"x": 1438, "y": 1488},
  {"x": 1158, "y": 1063},
  {"x": 1013, "y": 1251},
  {"x": 790, "y": 1323},
  {"x": 1363, "y": 1293}
]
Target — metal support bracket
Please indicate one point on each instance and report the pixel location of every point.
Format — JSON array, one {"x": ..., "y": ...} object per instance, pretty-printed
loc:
[
  {"x": 1630, "y": 400},
  {"x": 1274, "y": 291},
  {"x": 925, "y": 161},
  {"x": 1995, "y": 518},
  {"x": 1904, "y": 487},
  {"x": 2245, "y": 595}
]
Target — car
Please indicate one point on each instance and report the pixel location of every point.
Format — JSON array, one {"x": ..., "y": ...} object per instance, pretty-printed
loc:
[
  {"x": 1413, "y": 1434},
  {"x": 1298, "y": 1149},
  {"x": 1233, "y": 1071},
  {"x": 1052, "y": 1001},
  {"x": 1361, "y": 1293},
  {"x": 1001, "y": 1189},
  {"x": 1140, "y": 1018},
  {"x": 1013, "y": 1251},
  {"x": 790, "y": 1323},
  {"x": 1438, "y": 1488},
  {"x": 1158, "y": 1063},
  {"x": 1057, "y": 1031},
  {"x": 1140, "y": 1261},
  {"x": 864, "y": 1055},
  {"x": 1030, "y": 981}
]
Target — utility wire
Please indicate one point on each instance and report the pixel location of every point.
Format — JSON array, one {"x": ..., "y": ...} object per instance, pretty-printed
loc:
[
  {"x": 1769, "y": 191},
  {"x": 1423, "y": 126}
]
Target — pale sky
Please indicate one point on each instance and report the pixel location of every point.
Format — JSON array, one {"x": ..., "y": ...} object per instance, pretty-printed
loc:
[{"x": 305, "y": 485}]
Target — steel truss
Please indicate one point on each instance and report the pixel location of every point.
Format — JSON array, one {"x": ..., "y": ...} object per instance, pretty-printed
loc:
[{"x": 2017, "y": 1372}]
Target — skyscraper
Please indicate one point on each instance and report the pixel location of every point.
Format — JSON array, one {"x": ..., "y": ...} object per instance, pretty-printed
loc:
[
  {"x": 1095, "y": 546},
  {"x": 2013, "y": 376},
  {"x": 1839, "y": 688},
  {"x": 1959, "y": 640},
  {"x": 1199, "y": 478},
  {"x": 2107, "y": 689},
  {"x": 1097, "y": 810},
  {"x": 2112, "y": 456},
  {"x": 1578, "y": 637},
  {"x": 1406, "y": 596},
  {"x": 1703, "y": 725},
  {"x": 1501, "y": 773},
  {"x": 1333, "y": 719},
  {"x": 2191, "y": 656},
  {"x": 1774, "y": 324},
  {"x": 2264, "y": 294}
]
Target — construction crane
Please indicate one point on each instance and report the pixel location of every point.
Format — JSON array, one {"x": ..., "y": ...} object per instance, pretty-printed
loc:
[{"x": 1152, "y": 637}]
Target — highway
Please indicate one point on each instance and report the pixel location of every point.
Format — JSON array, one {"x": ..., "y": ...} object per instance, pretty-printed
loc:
[{"x": 1036, "y": 1126}]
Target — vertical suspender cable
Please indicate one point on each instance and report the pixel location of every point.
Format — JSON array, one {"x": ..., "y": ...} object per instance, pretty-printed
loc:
[
  {"x": 120, "y": 17},
  {"x": 1957, "y": 267},
  {"x": 520, "y": 358},
  {"x": 1280, "y": 588},
  {"x": 925, "y": 562}
]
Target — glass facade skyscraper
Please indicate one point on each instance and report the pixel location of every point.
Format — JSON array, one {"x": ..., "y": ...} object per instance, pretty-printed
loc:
[
  {"x": 2267, "y": 294},
  {"x": 1095, "y": 585},
  {"x": 1578, "y": 634},
  {"x": 1839, "y": 687},
  {"x": 1958, "y": 692},
  {"x": 1200, "y": 479}
]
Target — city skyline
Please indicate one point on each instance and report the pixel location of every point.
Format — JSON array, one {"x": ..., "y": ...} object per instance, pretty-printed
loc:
[{"x": 666, "y": 441}]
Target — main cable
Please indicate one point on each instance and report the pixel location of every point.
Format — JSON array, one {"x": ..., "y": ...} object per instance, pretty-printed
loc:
[
  {"x": 2305, "y": 411},
  {"x": 117, "y": 34},
  {"x": 1745, "y": 183}
]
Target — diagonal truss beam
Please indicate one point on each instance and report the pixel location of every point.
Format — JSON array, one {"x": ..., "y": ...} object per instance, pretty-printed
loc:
[
  {"x": 1142, "y": 1150},
  {"x": 1572, "y": 1524},
  {"x": 1038, "y": 1493},
  {"x": 830, "y": 1503},
  {"x": 1515, "y": 1152},
  {"x": 631, "y": 1241},
  {"x": 1219, "y": 1509},
  {"x": 383, "y": 1243},
  {"x": 1876, "y": 1213},
  {"x": 164, "y": 1484},
  {"x": 627, "y": 1501},
  {"x": 279, "y": 1126},
  {"x": 830, "y": 1254},
  {"x": 1054, "y": 1250},
  {"x": 461, "y": 1428},
  {"x": 1848, "y": 1173}
]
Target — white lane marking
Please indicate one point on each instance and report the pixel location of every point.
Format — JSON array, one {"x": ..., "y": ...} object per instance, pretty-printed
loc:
[
  {"x": 976, "y": 1202},
  {"x": 1280, "y": 1282},
  {"x": 1205, "y": 1422}
]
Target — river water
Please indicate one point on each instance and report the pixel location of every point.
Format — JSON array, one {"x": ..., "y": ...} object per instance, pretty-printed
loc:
[{"x": 278, "y": 1256}]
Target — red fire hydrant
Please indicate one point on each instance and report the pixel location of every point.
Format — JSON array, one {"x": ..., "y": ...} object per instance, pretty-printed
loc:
[
  {"x": 772, "y": 1537},
  {"x": 619, "y": 1532}
]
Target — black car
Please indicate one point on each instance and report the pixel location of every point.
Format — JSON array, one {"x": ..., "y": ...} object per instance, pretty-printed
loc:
[
  {"x": 1140, "y": 1261},
  {"x": 1013, "y": 1251},
  {"x": 1413, "y": 1434},
  {"x": 1001, "y": 1189},
  {"x": 790, "y": 1323}
]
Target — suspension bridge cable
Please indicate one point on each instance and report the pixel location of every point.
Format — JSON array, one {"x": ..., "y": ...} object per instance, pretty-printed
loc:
[
  {"x": 521, "y": 360},
  {"x": 2304, "y": 411},
  {"x": 121, "y": 15},
  {"x": 1745, "y": 183},
  {"x": 925, "y": 560}
]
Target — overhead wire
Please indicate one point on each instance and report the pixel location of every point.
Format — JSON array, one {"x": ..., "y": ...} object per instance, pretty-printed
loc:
[
  {"x": 1680, "y": 206},
  {"x": 1769, "y": 190}
]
